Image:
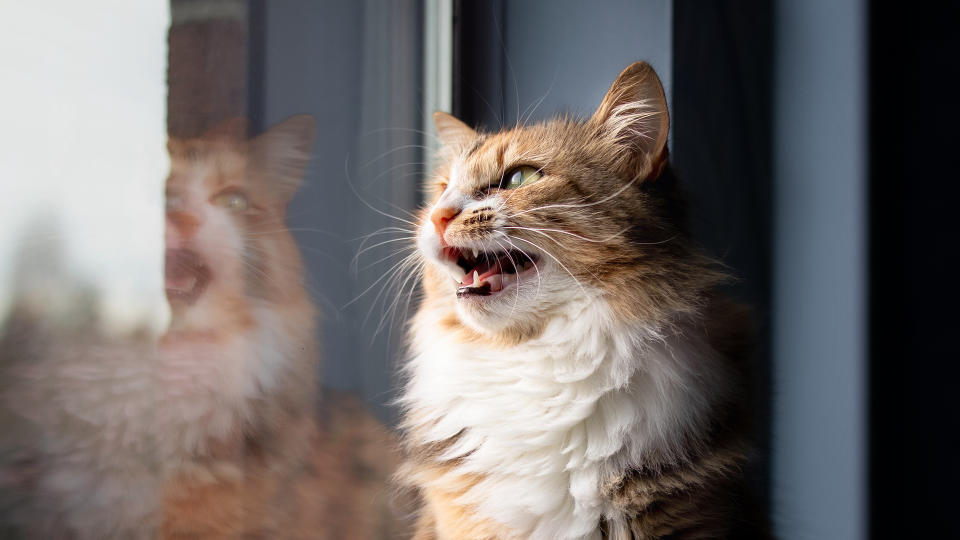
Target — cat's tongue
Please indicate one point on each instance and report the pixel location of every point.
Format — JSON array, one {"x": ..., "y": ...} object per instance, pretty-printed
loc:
[
  {"x": 185, "y": 275},
  {"x": 484, "y": 279}
]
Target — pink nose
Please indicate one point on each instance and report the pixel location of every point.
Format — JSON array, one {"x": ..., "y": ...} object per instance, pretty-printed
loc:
[
  {"x": 184, "y": 223},
  {"x": 441, "y": 218}
]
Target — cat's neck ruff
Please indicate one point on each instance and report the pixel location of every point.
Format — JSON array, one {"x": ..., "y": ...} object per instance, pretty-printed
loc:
[{"x": 541, "y": 421}]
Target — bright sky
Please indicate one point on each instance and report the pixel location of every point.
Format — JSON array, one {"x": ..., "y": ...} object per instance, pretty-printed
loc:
[{"x": 82, "y": 143}]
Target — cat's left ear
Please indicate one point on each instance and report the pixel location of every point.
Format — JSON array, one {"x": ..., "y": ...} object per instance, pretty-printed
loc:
[
  {"x": 451, "y": 131},
  {"x": 283, "y": 152},
  {"x": 634, "y": 115}
]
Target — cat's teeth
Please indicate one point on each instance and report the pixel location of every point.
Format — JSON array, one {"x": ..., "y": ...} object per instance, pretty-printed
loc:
[
  {"x": 476, "y": 278},
  {"x": 476, "y": 253}
]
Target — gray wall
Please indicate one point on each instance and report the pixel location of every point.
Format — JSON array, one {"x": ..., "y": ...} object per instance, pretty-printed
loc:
[
  {"x": 563, "y": 55},
  {"x": 819, "y": 446},
  {"x": 355, "y": 66}
]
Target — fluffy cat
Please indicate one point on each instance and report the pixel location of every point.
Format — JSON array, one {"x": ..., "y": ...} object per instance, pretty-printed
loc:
[
  {"x": 102, "y": 437},
  {"x": 574, "y": 373}
]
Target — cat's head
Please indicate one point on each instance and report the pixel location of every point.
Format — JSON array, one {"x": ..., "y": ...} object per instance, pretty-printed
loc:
[
  {"x": 525, "y": 221},
  {"x": 227, "y": 246}
]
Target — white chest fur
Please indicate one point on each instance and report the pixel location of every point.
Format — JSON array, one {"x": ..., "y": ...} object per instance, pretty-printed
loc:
[{"x": 541, "y": 420}]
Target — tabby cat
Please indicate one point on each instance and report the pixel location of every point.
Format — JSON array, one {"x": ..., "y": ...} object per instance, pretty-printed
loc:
[{"x": 575, "y": 373}]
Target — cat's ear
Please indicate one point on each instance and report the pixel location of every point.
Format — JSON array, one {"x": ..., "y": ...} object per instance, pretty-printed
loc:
[
  {"x": 452, "y": 132},
  {"x": 283, "y": 152},
  {"x": 634, "y": 114},
  {"x": 234, "y": 129}
]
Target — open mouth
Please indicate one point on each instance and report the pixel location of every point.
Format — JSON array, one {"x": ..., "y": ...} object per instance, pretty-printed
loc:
[
  {"x": 186, "y": 275},
  {"x": 488, "y": 272}
]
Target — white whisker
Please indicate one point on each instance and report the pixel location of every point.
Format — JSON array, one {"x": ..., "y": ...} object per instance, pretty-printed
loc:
[
  {"x": 372, "y": 285},
  {"x": 547, "y": 253},
  {"x": 600, "y": 241},
  {"x": 566, "y": 205}
]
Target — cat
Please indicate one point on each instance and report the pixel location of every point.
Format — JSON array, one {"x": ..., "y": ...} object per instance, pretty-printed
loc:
[
  {"x": 574, "y": 373},
  {"x": 105, "y": 435},
  {"x": 298, "y": 476}
]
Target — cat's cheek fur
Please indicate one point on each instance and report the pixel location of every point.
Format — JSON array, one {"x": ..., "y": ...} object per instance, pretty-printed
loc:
[{"x": 525, "y": 303}]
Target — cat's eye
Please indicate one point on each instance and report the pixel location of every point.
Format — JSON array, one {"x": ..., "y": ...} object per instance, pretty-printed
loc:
[
  {"x": 231, "y": 200},
  {"x": 173, "y": 201},
  {"x": 520, "y": 176}
]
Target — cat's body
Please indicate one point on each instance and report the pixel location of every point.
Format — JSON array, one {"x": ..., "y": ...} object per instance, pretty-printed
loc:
[
  {"x": 574, "y": 373},
  {"x": 336, "y": 491},
  {"x": 96, "y": 429}
]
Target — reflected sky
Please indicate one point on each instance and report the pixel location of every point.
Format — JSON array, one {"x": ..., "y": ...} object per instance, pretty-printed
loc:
[{"x": 84, "y": 140}]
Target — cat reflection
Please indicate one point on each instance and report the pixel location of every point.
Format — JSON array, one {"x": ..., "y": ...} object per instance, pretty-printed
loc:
[{"x": 209, "y": 432}]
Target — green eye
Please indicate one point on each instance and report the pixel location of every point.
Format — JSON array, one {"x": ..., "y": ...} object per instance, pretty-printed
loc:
[
  {"x": 231, "y": 200},
  {"x": 520, "y": 176}
]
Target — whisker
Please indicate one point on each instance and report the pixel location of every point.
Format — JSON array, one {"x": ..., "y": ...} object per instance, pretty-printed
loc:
[
  {"x": 395, "y": 167},
  {"x": 394, "y": 275},
  {"x": 393, "y": 150},
  {"x": 409, "y": 264},
  {"x": 529, "y": 114},
  {"x": 392, "y": 310},
  {"x": 516, "y": 271},
  {"x": 391, "y": 324},
  {"x": 368, "y": 205},
  {"x": 533, "y": 262},
  {"x": 372, "y": 285},
  {"x": 600, "y": 241},
  {"x": 506, "y": 56},
  {"x": 564, "y": 205},
  {"x": 382, "y": 230},
  {"x": 356, "y": 258},
  {"x": 577, "y": 281},
  {"x": 390, "y": 256}
]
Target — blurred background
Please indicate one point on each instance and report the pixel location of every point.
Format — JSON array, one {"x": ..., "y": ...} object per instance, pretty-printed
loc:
[{"x": 815, "y": 139}]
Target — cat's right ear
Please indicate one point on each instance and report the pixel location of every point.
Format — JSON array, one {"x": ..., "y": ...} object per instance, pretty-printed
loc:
[
  {"x": 633, "y": 115},
  {"x": 452, "y": 132}
]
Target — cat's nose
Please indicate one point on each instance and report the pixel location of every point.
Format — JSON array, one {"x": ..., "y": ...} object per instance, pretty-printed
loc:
[
  {"x": 185, "y": 223},
  {"x": 441, "y": 217}
]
